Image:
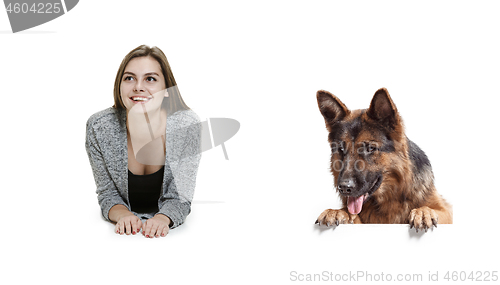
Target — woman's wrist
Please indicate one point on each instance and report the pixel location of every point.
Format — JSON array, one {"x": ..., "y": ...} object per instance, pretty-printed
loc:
[
  {"x": 164, "y": 218},
  {"x": 117, "y": 212}
]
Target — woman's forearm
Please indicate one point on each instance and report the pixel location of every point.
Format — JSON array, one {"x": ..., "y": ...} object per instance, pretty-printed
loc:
[{"x": 117, "y": 212}]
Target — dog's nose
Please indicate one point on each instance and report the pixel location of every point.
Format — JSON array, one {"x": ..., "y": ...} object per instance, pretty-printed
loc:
[{"x": 346, "y": 186}]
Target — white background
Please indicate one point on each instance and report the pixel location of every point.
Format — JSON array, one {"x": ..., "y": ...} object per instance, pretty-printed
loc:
[{"x": 260, "y": 63}]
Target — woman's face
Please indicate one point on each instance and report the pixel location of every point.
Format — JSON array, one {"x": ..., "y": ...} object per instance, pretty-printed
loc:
[{"x": 142, "y": 85}]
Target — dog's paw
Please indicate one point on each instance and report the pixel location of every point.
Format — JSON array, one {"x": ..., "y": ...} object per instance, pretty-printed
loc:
[
  {"x": 423, "y": 218},
  {"x": 330, "y": 217}
]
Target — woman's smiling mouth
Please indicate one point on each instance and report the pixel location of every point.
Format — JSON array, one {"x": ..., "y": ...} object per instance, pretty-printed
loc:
[{"x": 140, "y": 99}]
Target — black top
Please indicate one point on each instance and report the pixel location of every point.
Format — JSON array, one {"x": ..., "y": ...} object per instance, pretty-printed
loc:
[{"x": 144, "y": 191}]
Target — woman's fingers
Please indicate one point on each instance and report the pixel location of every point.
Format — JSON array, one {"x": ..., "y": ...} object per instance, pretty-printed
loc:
[
  {"x": 159, "y": 230},
  {"x": 154, "y": 228},
  {"x": 136, "y": 226},
  {"x": 128, "y": 226},
  {"x": 119, "y": 227},
  {"x": 146, "y": 227},
  {"x": 151, "y": 228},
  {"x": 165, "y": 231}
]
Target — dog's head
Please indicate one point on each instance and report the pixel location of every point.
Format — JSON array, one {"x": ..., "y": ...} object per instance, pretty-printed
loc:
[{"x": 363, "y": 143}]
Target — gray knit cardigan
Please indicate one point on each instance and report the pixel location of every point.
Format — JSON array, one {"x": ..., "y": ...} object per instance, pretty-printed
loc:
[{"x": 106, "y": 144}]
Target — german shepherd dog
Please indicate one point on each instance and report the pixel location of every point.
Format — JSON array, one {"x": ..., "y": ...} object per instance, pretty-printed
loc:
[{"x": 381, "y": 175}]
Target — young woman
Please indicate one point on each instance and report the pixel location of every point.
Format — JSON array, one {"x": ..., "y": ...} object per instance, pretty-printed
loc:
[{"x": 145, "y": 150}]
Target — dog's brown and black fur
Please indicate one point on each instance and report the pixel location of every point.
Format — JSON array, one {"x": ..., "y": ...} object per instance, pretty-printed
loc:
[{"x": 381, "y": 175}]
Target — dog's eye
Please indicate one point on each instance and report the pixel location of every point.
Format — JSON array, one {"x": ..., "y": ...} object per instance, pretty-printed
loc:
[
  {"x": 370, "y": 148},
  {"x": 338, "y": 147}
]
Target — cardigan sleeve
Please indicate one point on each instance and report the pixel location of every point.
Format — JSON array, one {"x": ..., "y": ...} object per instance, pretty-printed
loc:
[
  {"x": 183, "y": 156},
  {"x": 107, "y": 192}
]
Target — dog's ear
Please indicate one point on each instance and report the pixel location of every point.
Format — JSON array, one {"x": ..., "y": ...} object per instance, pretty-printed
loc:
[
  {"x": 332, "y": 109},
  {"x": 383, "y": 110}
]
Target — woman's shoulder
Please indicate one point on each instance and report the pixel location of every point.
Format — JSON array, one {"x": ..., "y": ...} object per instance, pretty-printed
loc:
[
  {"x": 108, "y": 116},
  {"x": 183, "y": 118}
]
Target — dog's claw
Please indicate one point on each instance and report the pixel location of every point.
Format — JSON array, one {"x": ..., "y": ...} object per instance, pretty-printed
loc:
[
  {"x": 316, "y": 222},
  {"x": 332, "y": 217},
  {"x": 423, "y": 218}
]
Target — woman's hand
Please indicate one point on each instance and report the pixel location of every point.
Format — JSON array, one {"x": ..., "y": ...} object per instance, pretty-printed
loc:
[
  {"x": 130, "y": 224},
  {"x": 126, "y": 221},
  {"x": 156, "y": 226}
]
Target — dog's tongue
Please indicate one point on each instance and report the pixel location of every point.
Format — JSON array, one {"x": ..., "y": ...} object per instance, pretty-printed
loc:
[{"x": 354, "y": 205}]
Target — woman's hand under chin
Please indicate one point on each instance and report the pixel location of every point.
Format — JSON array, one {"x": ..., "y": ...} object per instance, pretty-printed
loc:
[{"x": 157, "y": 226}]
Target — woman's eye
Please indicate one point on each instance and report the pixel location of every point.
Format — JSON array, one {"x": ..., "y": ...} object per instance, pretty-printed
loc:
[
  {"x": 151, "y": 79},
  {"x": 128, "y": 78}
]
